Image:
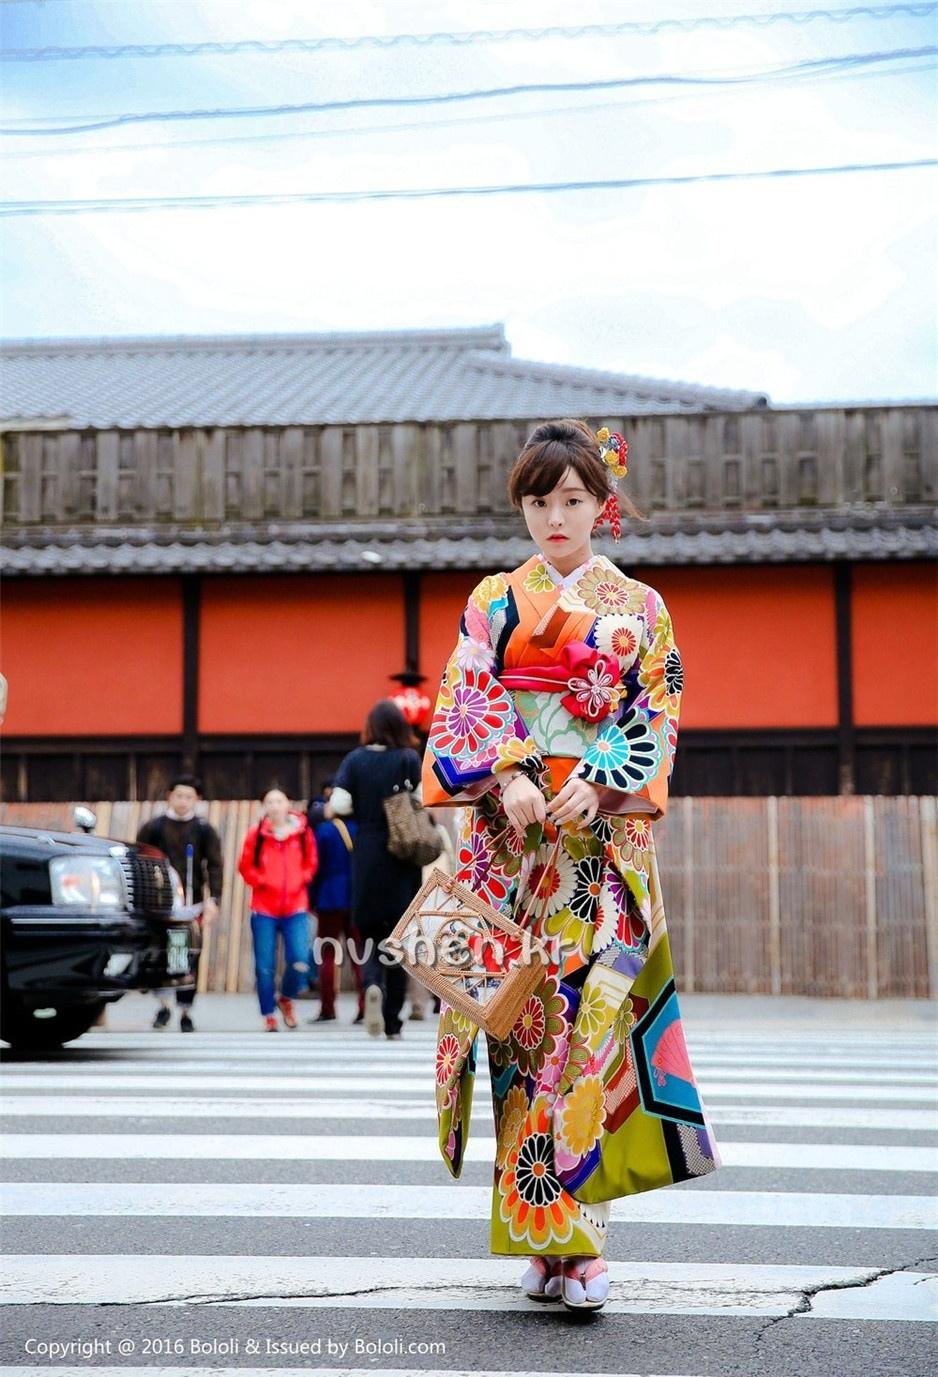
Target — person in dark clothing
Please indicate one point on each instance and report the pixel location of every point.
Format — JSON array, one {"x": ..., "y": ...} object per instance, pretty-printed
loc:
[
  {"x": 193, "y": 849},
  {"x": 330, "y": 895},
  {"x": 382, "y": 885}
]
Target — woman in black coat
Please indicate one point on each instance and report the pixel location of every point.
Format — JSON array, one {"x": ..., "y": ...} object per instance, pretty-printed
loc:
[{"x": 382, "y": 885}]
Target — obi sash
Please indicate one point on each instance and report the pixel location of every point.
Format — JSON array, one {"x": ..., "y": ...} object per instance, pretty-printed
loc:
[{"x": 589, "y": 680}]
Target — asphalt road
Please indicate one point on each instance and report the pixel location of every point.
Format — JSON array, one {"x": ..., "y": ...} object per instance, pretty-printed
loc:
[{"x": 231, "y": 1199}]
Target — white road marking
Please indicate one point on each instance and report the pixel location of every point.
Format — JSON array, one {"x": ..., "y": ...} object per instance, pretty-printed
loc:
[
  {"x": 451, "y": 1283},
  {"x": 303, "y": 1051},
  {"x": 241, "y": 1107},
  {"x": 270, "y": 1200},
  {"x": 362, "y": 1147},
  {"x": 352, "y": 1080},
  {"x": 342, "y": 1069}
]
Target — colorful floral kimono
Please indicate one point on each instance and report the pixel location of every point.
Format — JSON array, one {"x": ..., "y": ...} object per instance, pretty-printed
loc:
[{"x": 593, "y": 1090}]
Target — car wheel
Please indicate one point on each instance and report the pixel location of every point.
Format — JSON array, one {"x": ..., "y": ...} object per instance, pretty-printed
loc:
[{"x": 20, "y": 1027}]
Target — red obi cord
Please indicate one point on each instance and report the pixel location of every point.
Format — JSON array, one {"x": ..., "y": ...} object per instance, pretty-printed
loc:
[{"x": 589, "y": 680}]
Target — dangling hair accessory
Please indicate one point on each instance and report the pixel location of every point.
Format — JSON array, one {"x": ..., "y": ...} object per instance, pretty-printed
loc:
[{"x": 614, "y": 452}]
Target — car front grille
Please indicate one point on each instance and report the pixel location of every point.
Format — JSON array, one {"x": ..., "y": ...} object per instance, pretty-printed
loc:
[{"x": 149, "y": 884}]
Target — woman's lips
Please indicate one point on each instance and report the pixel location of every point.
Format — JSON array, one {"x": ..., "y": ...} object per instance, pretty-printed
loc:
[{"x": 556, "y": 538}]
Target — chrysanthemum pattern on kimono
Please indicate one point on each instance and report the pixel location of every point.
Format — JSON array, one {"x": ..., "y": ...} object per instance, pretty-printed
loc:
[{"x": 594, "y": 1093}]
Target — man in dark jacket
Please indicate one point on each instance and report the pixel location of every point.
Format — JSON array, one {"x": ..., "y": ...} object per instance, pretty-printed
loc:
[{"x": 193, "y": 848}]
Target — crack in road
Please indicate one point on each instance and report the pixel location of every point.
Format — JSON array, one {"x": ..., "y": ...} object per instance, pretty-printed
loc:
[
  {"x": 201, "y": 1298},
  {"x": 805, "y": 1303},
  {"x": 802, "y": 1306}
]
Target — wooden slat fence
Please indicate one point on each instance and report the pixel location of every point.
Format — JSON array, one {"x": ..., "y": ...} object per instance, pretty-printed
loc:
[
  {"x": 771, "y": 459},
  {"x": 811, "y": 896}
]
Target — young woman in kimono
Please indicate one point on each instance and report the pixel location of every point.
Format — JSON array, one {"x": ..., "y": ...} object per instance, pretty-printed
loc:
[{"x": 559, "y": 710}]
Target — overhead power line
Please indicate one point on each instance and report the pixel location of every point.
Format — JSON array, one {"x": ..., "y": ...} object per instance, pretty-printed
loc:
[
  {"x": 8, "y": 209},
  {"x": 423, "y": 126},
  {"x": 465, "y": 39},
  {"x": 805, "y": 67}
]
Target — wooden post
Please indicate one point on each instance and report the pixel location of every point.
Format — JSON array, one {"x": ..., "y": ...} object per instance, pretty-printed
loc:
[
  {"x": 844, "y": 634},
  {"x": 929, "y": 826},
  {"x": 191, "y": 616},
  {"x": 775, "y": 907},
  {"x": 690, "y": 955},
  {"x": 412, "y": 580},
  {"x": 869, "y": 857}
]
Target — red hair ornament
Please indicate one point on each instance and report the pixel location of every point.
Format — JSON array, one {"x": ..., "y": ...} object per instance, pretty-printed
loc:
[{"x": 614, "y": 452}]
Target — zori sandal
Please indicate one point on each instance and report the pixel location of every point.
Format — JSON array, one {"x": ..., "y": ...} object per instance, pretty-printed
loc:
[
  {"x": 541, "y": 1282},
  {"x": 584, "y": 1283}
]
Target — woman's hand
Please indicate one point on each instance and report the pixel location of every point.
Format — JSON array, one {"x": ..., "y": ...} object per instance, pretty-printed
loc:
[
  {"x": 523, "y": 803},
  {"x": 577, "y": 799}
]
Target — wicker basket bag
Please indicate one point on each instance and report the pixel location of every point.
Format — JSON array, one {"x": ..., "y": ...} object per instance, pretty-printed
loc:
[{"x": 474, "y": 958}]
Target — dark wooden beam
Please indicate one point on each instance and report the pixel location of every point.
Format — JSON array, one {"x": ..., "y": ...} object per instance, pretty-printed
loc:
[
  {"x": 846, "y": 734},
  {"x": 412, "y": 621},
  {"x": 191, "y": 618}
]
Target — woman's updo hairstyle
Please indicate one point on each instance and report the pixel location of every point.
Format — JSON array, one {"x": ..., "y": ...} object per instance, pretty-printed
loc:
[{"x": 549, "y": 451}]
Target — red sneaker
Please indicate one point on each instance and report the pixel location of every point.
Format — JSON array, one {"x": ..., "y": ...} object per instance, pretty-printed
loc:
[
  {"x": 286, "y": 1011},
  {"x": 270, "y": 1024}
]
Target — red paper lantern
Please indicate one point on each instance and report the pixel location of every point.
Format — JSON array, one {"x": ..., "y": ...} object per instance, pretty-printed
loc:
[{"x": 414, "y": 704}]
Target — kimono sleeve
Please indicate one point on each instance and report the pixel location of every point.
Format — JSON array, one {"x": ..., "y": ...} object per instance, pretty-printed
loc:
[
  {"x": 635, "y": 753},
  {"x": 476, "y": 730}
]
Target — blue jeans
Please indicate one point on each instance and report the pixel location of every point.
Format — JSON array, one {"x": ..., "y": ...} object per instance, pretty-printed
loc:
[{"x": 294, "y": 930}]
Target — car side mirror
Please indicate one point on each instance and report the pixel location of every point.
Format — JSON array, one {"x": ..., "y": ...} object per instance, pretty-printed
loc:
[{"x": 84, "y": 819}]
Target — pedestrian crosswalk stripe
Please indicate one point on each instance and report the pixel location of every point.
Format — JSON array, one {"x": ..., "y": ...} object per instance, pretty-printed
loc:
[
  {"x": 242, "y": 1107},
  {"x": 346, "y": 1078},
  {"x": 308, "y": 1052},
  {"x": 452, "y": 1284},
  {"x": 342, "y": 1068},
  {"x": 268, "y": 1200},
  {"x": 341, "y": 1147}
]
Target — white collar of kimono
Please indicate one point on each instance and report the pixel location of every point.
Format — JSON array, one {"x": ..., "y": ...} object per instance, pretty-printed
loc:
[{"x": 565, "y": 580}]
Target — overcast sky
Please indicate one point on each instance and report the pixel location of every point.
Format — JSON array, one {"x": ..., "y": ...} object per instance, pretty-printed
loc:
[{"x": 808, "y": 288}]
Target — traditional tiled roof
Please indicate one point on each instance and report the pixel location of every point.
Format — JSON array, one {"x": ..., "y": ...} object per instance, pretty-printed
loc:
[
  {"x": 318, "y": 379},
  {"x": 341, "y": 547}
]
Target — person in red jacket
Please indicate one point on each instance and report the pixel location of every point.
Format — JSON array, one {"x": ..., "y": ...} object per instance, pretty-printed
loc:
[{"x": 278, "y": 860}]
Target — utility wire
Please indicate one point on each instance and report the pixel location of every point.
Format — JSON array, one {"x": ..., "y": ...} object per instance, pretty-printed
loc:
[
  {"x": 422, "y": 126},
  {"x": 445, "y": 39},
  {"x": 806, "y": 66},
  {"x": 8, "y": 209}
]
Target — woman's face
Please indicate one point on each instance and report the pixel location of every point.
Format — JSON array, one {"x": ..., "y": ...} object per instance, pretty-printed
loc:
[
  {"x": 276, "y": 806},
  {"x": 561, "y": 523}
]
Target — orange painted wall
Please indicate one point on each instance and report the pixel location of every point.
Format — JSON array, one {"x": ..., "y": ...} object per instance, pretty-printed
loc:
[
  {"x": 895, "y": 645},
  {"x": 298, "y": 653},
  {"x": 757, "y": 641},
  {"x": 443, "y": 598},
  {"x": 92, "y": 657}
]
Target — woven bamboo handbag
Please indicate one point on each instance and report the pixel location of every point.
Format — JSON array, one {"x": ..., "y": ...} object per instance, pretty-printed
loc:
[{"x": 474, "y": 958}]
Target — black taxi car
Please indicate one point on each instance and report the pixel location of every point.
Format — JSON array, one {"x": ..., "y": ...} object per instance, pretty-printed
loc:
[{"x": 84, "y": 919}]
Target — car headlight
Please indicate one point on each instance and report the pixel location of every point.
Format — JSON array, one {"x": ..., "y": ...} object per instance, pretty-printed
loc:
[
  {"x": 91, "y": 882},
  {"x": 179, "y": 894}
]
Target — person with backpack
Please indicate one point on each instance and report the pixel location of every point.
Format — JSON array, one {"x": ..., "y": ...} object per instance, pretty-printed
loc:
[
  {"x": 278, "y": 861},
  {"x": 193, "y": 849},
  {"x": 330, "y": 895}
]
